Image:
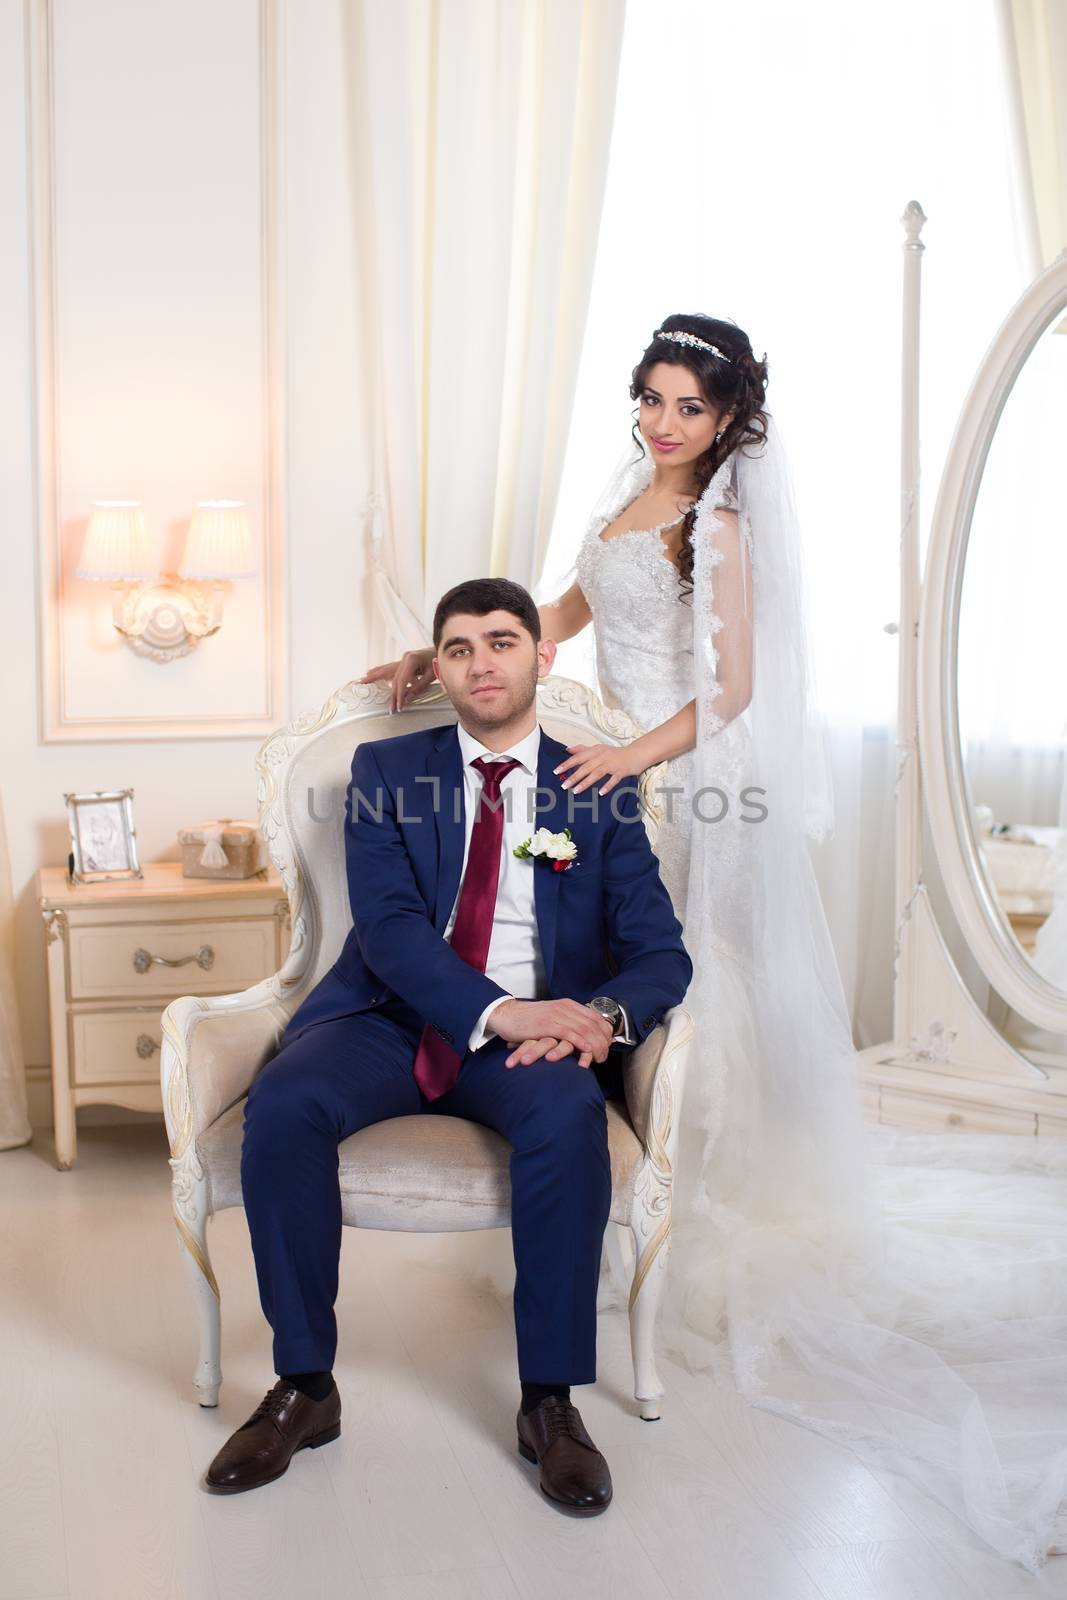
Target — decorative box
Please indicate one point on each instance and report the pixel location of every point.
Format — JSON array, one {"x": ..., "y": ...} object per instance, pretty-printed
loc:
[{"x": 222, "y": 849}]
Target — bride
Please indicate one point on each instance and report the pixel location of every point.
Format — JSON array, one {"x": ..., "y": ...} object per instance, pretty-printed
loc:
[{"x": 904, "y": 1295}]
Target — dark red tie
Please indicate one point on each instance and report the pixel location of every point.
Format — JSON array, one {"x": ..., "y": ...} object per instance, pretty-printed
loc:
[{"x": 436, "y": 1063}]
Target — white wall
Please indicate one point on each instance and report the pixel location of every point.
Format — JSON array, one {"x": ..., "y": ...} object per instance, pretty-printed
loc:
[{"x": 324, "y": 470}]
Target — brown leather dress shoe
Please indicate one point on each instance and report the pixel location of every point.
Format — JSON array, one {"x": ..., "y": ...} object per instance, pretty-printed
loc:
[
  {"x": 573, "y": 1472},
  {"x": 284, "y": 1422}
]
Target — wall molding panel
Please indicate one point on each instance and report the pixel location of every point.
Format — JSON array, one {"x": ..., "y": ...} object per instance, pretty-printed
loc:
[{"x": 156, "y": 193}]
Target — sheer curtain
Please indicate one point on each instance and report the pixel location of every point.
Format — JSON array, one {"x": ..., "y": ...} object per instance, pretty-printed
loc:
[
  {"x": 1035, "y": 36},
  {"x": 480, "y": 134},
  {"x": 761, "y": 178}
]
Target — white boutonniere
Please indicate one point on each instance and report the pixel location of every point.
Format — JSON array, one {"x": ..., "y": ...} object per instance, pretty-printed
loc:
[{"x": 558, "y": 848}]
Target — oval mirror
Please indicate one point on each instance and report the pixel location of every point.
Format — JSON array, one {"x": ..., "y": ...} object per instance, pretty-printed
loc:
[{"x": 993, "y": 664}]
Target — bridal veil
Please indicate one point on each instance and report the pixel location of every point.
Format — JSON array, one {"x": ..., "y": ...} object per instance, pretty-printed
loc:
[{"x": 903, "y": 1294}]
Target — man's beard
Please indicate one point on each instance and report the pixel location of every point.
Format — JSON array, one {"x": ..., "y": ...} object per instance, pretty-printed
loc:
[{"x": 518, "y": 698}]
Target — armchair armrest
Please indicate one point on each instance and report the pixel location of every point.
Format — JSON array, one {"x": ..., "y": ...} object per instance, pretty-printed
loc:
[
  {"x": 212, "y": 1050},
  {"x": 654, "y": 1080}
]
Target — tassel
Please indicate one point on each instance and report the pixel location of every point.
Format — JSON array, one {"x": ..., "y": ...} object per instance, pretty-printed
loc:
[{"x": 213, "y": 855}]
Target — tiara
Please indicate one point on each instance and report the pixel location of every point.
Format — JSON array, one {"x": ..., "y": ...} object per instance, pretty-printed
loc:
[{"x": 691, "y": 339}]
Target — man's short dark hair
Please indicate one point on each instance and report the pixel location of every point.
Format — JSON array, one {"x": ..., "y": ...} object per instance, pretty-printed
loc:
[{"x": 478, "y": 596}]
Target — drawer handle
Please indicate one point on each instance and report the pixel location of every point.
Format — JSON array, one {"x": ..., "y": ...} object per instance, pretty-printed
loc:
[
  {"x": 205, "y": 957},
  {"x": 145, "y": 1046}
]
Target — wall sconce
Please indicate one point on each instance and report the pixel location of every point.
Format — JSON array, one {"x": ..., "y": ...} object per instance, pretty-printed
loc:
[{"x": 160, "y": 615}]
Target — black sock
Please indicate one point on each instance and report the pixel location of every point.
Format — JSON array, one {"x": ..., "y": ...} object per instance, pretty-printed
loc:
[
  {"x": 534, "y": 1393},
  {"x": 316, "y": 1385}
]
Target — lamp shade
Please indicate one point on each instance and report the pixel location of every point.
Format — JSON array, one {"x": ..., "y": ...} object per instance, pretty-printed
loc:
[
  {"x": 116, "y": 544},
  {"x": 219, "y": 542}
]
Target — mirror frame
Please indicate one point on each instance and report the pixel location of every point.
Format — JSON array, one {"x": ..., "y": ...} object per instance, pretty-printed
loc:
[{"x": 1002, "y": 960}]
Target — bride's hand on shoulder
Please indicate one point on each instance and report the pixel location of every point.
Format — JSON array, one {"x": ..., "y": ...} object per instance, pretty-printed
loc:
[
  {"x": 411, "y": 676},
  {"x": 603, "y": 764}
]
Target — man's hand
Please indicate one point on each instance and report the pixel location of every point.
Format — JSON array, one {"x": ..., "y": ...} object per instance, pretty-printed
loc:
[
  {"x": 547, "y": 1049},
  {"x": 551, "y": 1028}
]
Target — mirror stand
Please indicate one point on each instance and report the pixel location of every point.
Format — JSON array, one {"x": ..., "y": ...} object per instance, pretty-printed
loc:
[{"x": 947, "y": 1066}]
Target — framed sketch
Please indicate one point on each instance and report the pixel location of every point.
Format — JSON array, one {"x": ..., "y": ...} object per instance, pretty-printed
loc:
[{"x": 103, "y": 842}]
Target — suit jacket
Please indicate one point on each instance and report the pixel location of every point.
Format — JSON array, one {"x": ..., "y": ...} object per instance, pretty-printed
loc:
[{"x": 606, "y": 925}]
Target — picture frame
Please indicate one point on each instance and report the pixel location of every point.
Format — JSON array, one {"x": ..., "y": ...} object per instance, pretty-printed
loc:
[{"x": 103, "y": 840}]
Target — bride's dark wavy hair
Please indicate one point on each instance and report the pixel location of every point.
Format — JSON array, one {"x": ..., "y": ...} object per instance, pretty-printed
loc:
[{"x": 738, "y": 384}]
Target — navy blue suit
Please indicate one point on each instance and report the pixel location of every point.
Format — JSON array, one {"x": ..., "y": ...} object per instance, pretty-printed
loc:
[{"x": 345, "y": 1060}]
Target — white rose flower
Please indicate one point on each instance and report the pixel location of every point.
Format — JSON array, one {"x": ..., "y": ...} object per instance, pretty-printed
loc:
[{"x": 559, "y": 848}]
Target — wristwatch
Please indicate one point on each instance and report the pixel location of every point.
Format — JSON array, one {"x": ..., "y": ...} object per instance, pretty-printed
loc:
[{"x": 607, "y": 1006}]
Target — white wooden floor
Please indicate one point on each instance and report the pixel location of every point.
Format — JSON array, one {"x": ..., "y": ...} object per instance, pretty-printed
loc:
[{"x": 424, "y": 1497}]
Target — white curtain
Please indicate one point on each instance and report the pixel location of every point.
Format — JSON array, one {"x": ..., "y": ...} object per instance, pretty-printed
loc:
[
  {"x": 1035, "y": 36},
  {"x": 14, "y": 1118},
  {"x": 802, "y": 134},
  {"x": 481, "y": 133}
]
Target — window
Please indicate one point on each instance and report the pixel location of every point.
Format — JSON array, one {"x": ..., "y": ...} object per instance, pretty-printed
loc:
[{"x": 761, "y": 158}]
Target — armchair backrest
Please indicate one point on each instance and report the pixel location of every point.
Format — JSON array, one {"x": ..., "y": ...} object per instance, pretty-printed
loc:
[{"x": 304, "y": 771}]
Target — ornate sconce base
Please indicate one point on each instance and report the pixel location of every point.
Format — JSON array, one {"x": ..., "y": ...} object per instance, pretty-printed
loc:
[{"x": 164, "y": 621}]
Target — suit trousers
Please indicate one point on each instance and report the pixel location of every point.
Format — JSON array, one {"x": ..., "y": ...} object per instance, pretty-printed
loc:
[{"x": 339, "y": 1076}]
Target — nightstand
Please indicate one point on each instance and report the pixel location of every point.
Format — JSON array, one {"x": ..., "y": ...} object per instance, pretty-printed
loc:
[{"x": 119, "y": 951}]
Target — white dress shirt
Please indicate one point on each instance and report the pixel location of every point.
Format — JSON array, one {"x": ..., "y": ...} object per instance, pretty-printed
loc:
[{"x": 514, "y": 960}]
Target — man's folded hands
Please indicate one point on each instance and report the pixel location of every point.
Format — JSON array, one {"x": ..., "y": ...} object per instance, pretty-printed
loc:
[{"x": 552, "y": 1030}]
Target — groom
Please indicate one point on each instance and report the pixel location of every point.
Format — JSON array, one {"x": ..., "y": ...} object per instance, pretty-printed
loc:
[{"x": 475, "y": 982}]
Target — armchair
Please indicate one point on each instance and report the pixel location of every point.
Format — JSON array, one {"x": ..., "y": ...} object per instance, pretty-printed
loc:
[{"x": 415, "y": 1173}]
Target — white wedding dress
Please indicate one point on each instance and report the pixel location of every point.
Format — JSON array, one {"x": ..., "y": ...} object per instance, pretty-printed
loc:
[
  {"x": 643, "y": 627},
  {"x": 903, "y": 1294}
]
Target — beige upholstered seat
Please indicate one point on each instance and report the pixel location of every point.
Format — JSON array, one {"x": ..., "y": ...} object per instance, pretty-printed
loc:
[
  {"x": 429, "y": 1173},
  {"x": 450, "y": 1174}
]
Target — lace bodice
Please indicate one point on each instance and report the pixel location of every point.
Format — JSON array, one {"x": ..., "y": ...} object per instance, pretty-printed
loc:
[
  {"x": 642, "y": 623},
  {"x": 643, "y": 630},
  {"x": 642, "y": 619}
]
